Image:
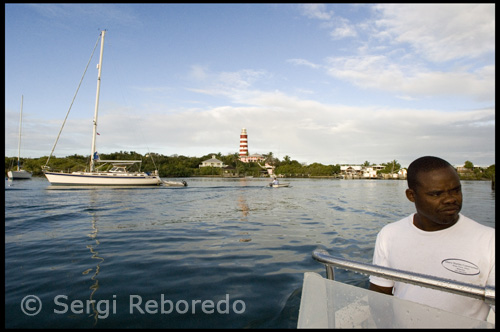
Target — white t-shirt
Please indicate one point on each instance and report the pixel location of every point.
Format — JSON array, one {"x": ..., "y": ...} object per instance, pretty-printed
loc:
[{"x": 464, "y": 252}]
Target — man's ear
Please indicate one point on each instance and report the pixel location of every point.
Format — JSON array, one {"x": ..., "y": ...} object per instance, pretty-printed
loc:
[{"x": 410, "y": 194}]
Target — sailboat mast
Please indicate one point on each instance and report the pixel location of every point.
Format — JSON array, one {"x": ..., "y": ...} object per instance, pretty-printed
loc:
[
  {"x": 94, "y": 130},
  {"x": 19, "y": 144}
]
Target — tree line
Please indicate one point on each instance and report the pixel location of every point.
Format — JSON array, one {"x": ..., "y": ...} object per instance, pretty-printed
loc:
[{"x": 182, "y": 166}]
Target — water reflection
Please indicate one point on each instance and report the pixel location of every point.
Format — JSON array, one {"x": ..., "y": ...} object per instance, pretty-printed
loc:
[
  {"x": 95, "y": 255},
  {"x": 242, "y": 204}
]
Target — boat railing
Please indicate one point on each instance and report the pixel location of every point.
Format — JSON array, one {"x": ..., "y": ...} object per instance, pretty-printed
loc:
[{"x": 487, "y": 294}]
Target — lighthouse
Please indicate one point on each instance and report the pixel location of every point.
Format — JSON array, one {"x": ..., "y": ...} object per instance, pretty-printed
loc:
[
  {"x": 244, "y": 155},
  {"x": 243, "y": 144}
]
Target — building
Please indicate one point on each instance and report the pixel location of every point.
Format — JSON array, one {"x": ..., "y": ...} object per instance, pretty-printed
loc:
[
  {"x": 369, "y": 172},
  {"x": 358, "y": 171},
  {"x": 213, "y": 162},
  {"x": 244, "y": 156},
  {"x": 461, "y": 169},
  {"x": 243, "y": 143},
  {"x": 254, "y": 158}
]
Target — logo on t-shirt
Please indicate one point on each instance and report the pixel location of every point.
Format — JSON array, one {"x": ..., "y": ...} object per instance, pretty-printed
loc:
[{"x": 460, "y": 266}]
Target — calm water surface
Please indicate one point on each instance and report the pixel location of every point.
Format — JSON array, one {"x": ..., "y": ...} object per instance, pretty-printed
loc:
[{"x": 217, "y": 254}]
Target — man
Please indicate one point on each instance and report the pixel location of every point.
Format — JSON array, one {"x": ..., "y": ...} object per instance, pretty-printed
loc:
[
  {"x": 275, "y": 181},
  {"x": 436, "y": 240}
]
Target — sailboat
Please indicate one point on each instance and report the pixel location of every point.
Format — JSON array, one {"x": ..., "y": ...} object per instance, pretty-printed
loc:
[
  {"x": 118, "y": 175},
  {"x": 20, "y": 173}
]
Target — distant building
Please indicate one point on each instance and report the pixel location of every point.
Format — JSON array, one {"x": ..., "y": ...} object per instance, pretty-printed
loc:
[
  {"x": 254, "y": 158},
  {"x": 243, "y": 143},
  {"x": 244, "y": 156},
  {"x": 461, "y": 169},
  {"x": 368, "y": 172},
  {"x": 213, "y": 162}
]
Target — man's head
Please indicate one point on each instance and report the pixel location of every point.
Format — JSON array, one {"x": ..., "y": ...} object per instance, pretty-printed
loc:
[
  {"x": 434, "y": 187},
  {"x": 424, "y": 165}
]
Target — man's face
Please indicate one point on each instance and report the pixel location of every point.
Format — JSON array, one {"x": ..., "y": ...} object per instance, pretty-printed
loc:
[{"x": 437, "y": 198}]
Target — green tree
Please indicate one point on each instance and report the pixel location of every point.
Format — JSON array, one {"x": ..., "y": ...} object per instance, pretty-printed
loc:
[
  {"x": 391, "y": 167},
  {"x": 489, "y": 173},
  {"x": 183, "y": 166},
  {"x": 317, "y": 169},
  {"x": 469, "y": 165}
]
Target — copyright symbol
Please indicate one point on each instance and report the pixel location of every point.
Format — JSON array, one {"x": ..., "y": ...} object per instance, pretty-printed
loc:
[{"x": 31, "y": 305}]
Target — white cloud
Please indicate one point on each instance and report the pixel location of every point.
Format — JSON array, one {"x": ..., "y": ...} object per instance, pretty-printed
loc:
[
  {"x": 86, "y": 13},
  {"x": 305, "y": 130},
  {"x": 344, "y": 29},
  {"x": 303, "y": 62},
  {"x": 462, "y": 36},
  {"x": 441, "y": 32},
  {"x": 343, "y": 32},
  {"x": 227, "y": 84},
  {"x": 381, "y": 73},
  {"x": 198, "y": 73},
  {"x": 316, "y": 11}
]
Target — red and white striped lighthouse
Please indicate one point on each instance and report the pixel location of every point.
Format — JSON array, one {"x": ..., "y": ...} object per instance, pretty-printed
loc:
[{"x": 243, "y": 143}]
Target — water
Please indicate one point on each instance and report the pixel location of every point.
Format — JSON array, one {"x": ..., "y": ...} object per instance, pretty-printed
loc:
[{"x": 220, "y": 253}]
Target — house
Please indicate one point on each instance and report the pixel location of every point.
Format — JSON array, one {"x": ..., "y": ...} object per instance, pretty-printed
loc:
[
  {"x": 230, "y": 172},
  {"x": 358, "y": 171},
  {"x": 212, "y": 162},
  {"x": 252, "y": 158},
  {"x": 461, "y": 169},
  {"x": 368, "y": 172},
  {"x": 351, "y": 170}
]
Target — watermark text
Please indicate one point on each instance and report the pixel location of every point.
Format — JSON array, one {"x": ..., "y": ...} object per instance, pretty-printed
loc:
[{"x": 31, "y": 305}]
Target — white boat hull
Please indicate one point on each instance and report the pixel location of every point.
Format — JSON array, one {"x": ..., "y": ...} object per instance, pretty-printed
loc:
[
  {"x": 279, "y": 185},
  {"x": 22, "y": 174},
  {"x": 174, "y": 183},
  {"x": 103, "y": 179}
]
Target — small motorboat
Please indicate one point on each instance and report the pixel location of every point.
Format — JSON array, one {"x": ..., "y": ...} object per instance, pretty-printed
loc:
[
  {"x": 279, "y": 185},
  {"x": 174, "y": 183}
]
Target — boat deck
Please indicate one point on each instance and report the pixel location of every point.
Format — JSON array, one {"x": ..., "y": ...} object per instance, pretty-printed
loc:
[{"x": 326, "y": 303}]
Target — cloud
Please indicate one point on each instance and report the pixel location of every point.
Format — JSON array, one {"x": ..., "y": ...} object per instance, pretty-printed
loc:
[
  {"x": 198, "y": 73},
  {"x": 441, "y": 32},
  {"x": 344, "y": 29},
  {"x": 80, "y": 13},
  {"x": 227, "y": 84},
  {"x": 343, "y": 32},
  {"x": 381, "y": 73},
  {"x": 416, "y": 51},
  {"x": 302, "y": 62},
  {"x": 306, "y": 130},
  {"x": 316, "y": 11},
  {"x": 340, "y": 25}
]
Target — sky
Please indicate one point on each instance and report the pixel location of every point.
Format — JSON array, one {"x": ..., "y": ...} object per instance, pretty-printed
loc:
[{"x": 326, "y": 83}]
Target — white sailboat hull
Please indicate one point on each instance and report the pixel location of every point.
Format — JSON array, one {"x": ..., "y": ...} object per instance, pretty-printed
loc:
[
  {"x": 22, "y": 174},
  {"x": 103, "y": 179}
]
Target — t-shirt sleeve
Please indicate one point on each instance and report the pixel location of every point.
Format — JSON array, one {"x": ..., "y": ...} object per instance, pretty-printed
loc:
[{"x": 380, "y": 258}]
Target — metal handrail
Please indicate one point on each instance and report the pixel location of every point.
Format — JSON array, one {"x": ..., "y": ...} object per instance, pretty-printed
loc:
[{"x": 486, "y": 294}]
